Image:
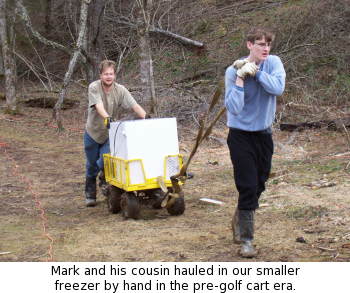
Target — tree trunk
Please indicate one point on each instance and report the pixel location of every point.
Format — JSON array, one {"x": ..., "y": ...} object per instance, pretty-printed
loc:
[
  {"x": 147, "y": 80},
  {"x": 89, "y": 64},
  {"x": 82, "y": 29},
  {"x": 92, "y": 43},
  {"x": 97, "y": 8},
  {"x": 9, "y": 63},
  {"x": 2, "y": 70},
  {"x": 48, "y": 14}
]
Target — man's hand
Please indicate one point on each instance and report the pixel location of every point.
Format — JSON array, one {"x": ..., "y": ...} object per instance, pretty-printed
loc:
[
  {"x": 108, "y": 121},
  {"x": 238, "y": 64},
  {"x": 249, "y": 68}
]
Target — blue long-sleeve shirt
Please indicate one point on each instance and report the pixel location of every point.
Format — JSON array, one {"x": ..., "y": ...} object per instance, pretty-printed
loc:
[{"x": 253, "y": 107}]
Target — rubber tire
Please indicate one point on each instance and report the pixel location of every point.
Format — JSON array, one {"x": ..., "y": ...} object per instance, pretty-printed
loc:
[
  {"x": 131, "y": 207},
  {"x": 113, "y": 199},
  {"x": 178, "y": 207},
  {"x": 152, "y": 194},
  {"x": 158, "y": 204}
]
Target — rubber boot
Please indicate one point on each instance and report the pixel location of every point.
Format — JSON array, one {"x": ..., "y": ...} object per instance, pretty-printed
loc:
[
  {"x": 90, "y": 192},
  {"x": 235, "y": 228},
  {"x": 102, "y": 182},
  {"x": 246, "y": 228}
]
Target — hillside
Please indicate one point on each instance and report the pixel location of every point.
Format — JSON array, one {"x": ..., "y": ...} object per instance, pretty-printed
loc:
[{"x": 311, "y": 39}]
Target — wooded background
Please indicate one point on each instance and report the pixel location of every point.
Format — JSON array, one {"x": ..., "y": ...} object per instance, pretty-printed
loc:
[{"x": 179, "y": 48}]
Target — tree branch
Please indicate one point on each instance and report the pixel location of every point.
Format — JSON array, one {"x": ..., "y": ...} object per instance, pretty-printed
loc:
[
  {"x": 295, "y": 47},
  {"x": 24, "y": 15},
  {"x": 152, "y": 29},
  {"x": 179, "y": 38},
  {"x": 72, "y": 63}
]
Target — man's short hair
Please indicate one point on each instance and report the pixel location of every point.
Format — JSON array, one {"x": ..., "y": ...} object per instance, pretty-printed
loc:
[
  {"x": 106, "y": 64},
  {"x": 257, "y": 33}
]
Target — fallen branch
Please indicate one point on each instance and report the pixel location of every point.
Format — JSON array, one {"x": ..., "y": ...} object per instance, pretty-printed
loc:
[
  {"x": 338, "y": 155},
  {"x": 317, "y": 185},
  {"x": 274, "y": 196},
  {"x": 332, "y": 124},
  {"x": 311, "y": 231},
  {"x": 327, "y": 249},
  {"x": 263, "y": 205}
]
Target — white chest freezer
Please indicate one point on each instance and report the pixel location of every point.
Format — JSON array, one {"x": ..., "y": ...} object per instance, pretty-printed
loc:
[{"x": 142, "y": 150}]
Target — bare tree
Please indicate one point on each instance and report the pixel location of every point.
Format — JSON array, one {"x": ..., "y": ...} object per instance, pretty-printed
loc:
[
  {"x": 97, "y": 8},
  {"x": 140, "y": 15},
  {"x": 92, "y": 47},
  {"x": 48, "y": 9},
  {"x": 87, "y": 48},
  {"x": 147, "y": 80},
  {"x": 9, "y": 62},
  {"x": 82, "y": 29},
  {"x": 2, "y": 70},
  {"x": 97, "y": 42}
]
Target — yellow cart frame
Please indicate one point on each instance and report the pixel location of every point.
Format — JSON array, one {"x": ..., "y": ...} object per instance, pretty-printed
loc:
[{"x": 121, "y": 173}]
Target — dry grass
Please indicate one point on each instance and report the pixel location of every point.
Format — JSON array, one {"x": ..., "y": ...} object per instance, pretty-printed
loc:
[{"x": 53, "y": 161}]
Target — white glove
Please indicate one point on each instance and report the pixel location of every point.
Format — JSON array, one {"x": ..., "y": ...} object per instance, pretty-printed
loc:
[
  {"x": 248, "y": 68},
  {"x": 238, "y": 64}
]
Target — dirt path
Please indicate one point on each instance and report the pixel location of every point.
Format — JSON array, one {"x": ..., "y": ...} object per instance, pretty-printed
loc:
[{"x": 292, "y": 206}]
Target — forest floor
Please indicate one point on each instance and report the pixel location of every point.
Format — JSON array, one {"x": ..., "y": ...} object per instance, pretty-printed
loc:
[{"x": 304, "y": 213}]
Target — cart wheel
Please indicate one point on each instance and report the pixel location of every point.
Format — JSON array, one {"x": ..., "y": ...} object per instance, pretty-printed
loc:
[
  {"x": 131, "y": 207},
  {"x": 158, "y": 194},
  {"x": 157, "y": 205},
  {"x": 155, "y": 197},
  {"x": 113, "y": 199},
  {"x": 178, "y": 207}
]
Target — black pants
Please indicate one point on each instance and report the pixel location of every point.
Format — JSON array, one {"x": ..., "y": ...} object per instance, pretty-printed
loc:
[{"x": 251, "y": 156}]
